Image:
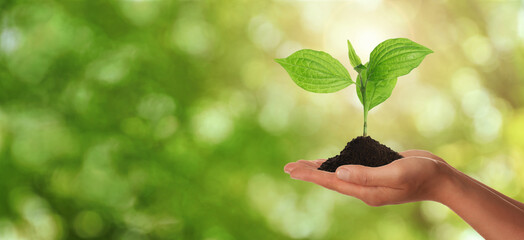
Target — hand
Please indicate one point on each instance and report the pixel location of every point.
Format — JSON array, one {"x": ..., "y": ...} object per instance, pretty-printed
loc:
[{"x": 418, "y": 176}]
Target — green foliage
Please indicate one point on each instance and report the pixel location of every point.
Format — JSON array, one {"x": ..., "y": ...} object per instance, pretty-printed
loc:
[
  {"x": 353, "y": 57},
  {"x": 316, "y": 71},
  {"x": 376, "y": 92},
  {"x": 394, "y": 58}
]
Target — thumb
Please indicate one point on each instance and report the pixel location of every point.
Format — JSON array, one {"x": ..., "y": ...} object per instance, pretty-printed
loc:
[{"x": 368, "y": 176}]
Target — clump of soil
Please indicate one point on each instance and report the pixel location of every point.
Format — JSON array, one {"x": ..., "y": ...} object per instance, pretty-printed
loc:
[{"x": 361, "y": 151}]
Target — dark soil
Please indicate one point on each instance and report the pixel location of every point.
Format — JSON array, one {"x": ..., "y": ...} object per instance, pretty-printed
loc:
[{"x": 361, "y": 151}]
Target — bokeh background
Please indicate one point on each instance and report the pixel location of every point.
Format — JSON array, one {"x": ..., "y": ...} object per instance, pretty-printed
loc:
[{"x": 170, "y": 119}]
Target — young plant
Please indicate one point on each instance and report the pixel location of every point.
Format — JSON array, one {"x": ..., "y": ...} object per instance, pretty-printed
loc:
[{"x": 319, "y": 72}]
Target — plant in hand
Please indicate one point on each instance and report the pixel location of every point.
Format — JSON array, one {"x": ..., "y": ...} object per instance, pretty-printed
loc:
[{"x": 319, "y": 72}]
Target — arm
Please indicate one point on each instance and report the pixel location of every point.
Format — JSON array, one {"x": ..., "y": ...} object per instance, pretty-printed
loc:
[
  {"x": 420, "y": 177},
  {"x": 423, "y": 153},
  {"x": 491, "y": 215}
]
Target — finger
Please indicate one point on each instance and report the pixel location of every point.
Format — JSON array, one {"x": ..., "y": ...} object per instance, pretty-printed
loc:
[
  {"x": 308, "y": 163},
  {"x": 413, "y": 153},
  {"x": 327, "y": 180},
  {"x": 310, "y": 174},
  {"x": 318, "y": 162},
  {"x": 290, "y": 166},
  {"x": 387, "y": 175},
  {"x": 421, "y": 153}
]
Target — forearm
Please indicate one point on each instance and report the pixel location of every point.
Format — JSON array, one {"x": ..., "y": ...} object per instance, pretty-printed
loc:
[
  {"x": 489, "y": 214},
  {"x": 511, "y": 200}
]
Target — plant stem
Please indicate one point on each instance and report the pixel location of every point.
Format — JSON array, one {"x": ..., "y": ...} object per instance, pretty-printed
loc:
[
  {"x": 365, "y": 122},
  {"x": 363, "y": 92}
]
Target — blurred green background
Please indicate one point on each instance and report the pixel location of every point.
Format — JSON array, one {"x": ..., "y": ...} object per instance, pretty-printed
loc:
[{"x": 170, "y": 119}]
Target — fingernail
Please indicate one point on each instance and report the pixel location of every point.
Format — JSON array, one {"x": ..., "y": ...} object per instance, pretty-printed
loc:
[
  {"x": 343, "y": 174},
  {"x": 287, "y": 168}
]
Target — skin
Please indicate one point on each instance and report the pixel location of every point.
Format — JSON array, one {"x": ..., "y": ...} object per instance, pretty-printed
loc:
[{"x": 422, "y": 176}]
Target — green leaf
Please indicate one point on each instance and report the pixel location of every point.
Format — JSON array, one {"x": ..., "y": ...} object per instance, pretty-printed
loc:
[
  {"x": 394, "y": 58},
  {"x": 353, "y": 57},
  {"x": 316, "y": 71},
  {"x": 376, "y": 91}
]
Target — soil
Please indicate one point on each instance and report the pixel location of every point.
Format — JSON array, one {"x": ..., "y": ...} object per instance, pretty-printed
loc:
[{"x": 361, "y": 151}]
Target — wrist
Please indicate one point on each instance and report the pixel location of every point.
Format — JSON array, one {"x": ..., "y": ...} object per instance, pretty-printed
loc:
[{"x": 448, "y": 184}]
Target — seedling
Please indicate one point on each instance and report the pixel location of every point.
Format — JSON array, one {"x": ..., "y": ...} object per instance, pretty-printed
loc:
[{"x": 319, "y": 72}]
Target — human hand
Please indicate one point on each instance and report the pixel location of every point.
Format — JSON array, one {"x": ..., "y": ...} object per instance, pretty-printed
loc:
[{"x": 416, "y": 177}]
